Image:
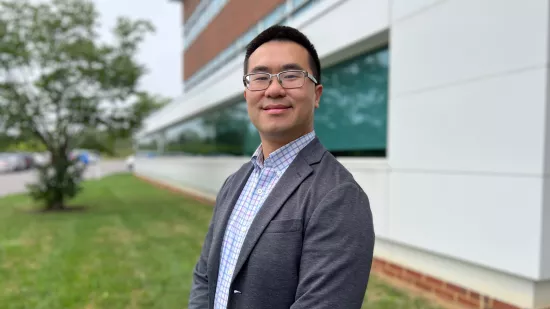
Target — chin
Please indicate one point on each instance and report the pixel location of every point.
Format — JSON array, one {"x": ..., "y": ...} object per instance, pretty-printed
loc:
[{"x": 275, "y": 131}]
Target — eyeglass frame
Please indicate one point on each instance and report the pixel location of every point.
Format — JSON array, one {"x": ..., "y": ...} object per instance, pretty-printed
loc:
[{"x": 306, "y": 75}]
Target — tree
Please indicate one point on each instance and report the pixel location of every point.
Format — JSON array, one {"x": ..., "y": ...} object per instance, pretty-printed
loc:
[
  {"x": 57, "y": 78},
  {"x": 119, "y": 142},
  {"x": 144, "y": 105}
]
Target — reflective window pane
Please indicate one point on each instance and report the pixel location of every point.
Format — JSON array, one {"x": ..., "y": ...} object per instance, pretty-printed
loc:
[
  {"x": 275, "y": 16},
  {"x": 226, "y": 131},
  {"x": 352, "y": 117}
]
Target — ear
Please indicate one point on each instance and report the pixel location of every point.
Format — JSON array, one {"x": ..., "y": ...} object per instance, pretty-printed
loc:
[
  {"x": 318, "y": 93},
  {"x": 244, "y": 93}
]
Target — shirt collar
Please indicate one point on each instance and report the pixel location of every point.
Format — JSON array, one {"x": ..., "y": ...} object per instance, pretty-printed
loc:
[{"x": 281, "y": 158}]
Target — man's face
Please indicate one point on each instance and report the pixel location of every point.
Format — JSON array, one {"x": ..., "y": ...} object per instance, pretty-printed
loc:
[{"x": 277, "y": 112}]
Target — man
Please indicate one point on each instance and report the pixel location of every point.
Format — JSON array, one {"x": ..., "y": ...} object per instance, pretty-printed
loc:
[{"x": 291, "y": 228}]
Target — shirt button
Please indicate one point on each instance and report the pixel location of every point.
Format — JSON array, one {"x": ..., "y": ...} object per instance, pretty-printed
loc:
[
  {"x": 243, "y": 229},
  {"x": 260, "y": 191}
]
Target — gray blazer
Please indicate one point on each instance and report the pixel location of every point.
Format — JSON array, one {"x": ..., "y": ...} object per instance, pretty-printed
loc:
[{"x": 309, "y": 246}]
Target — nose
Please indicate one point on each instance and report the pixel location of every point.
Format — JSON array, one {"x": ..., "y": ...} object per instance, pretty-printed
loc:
[{"x": 275, "y": 90}]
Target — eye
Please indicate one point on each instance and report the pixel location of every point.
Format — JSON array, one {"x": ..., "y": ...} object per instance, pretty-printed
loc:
[{"x": 259, "y": 78}]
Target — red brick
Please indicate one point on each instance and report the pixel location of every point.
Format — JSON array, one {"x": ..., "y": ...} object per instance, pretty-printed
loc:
[
  {"x": 444, "y": 294},
  {"x": 474, "y": 296},
  {"x": 378, "y": 263},
  {"x": 412, "y": 276},
  {"x": 235, "y": 19},
  {"x": 467, "y": 302},
  {"x": 501, "y": 305},
  {"x": 424, "y": 286},
  {"x": 397, "y": 270},
  {"x": 389, "y": 272},
  {"x": 458, "y": 290},
  {"x": 435, "y": 283}
]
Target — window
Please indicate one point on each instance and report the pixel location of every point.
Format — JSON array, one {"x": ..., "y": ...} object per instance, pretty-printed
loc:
[
  {"x": 148, "y": 144},
  {"x": 226, "y": 131},
  {"x": 352, "y": 116},
  {"x": 275, "y": 16},
  {"x": 200, "y": 18}
]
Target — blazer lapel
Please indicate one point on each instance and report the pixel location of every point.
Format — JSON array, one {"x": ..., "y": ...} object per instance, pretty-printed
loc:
[
  {"x": 298, "y": 170},
  {"x": 226, "y": 208}
]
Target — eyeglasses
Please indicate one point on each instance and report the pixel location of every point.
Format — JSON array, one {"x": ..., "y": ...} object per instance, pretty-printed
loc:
[{"x": 287, "y": 79}]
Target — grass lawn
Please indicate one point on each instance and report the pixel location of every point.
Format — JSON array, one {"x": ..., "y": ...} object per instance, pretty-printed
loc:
[{"x": 134, "y": 247}]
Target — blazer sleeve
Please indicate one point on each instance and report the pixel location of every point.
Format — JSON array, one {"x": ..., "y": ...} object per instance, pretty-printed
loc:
[
  {"x": 337, "y": 251},
  {"x": 198, "y": 298}
]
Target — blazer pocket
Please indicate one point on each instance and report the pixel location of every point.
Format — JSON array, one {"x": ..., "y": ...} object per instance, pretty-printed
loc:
[{"x": 284, "y": 226}]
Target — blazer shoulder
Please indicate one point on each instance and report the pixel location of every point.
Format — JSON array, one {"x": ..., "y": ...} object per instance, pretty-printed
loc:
[
  {"x": 333, "y": 171},
  {"x": 328, "y": 174}
]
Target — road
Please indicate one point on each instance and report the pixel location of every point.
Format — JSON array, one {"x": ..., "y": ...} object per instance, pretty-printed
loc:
[{"x": 15, "y": 182}]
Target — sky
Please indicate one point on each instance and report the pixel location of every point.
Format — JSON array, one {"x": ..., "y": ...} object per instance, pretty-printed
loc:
[{"x": 161, "y": 51}]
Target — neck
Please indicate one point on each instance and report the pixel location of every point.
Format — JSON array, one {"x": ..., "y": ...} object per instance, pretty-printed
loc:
[{"x": 272, "y": 143}]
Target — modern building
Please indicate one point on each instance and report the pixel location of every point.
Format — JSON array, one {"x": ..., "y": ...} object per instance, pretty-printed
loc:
[{"x": 439, "y": 108}]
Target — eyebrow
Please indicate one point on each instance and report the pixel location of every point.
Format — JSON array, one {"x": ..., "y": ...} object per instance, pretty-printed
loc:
[
  {"x": 292, "y": 66},
  {"x": 288, "y": 66},
  {"x": 260, "y": 68}
]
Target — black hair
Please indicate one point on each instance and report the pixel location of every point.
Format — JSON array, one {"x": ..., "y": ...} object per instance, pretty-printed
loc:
[{"x": 285, "y": 33}]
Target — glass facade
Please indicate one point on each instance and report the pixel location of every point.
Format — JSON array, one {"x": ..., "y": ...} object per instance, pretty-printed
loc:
[
  {"x": 352, "y": 116},
  {"x": 350, "y": 121},
  {"x": 224, "y": 131}
]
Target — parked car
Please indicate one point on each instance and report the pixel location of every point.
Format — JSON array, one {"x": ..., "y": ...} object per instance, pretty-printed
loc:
[
  {"x": 18, "y": 160},
  {"x": 85, "y": 156},
  {"x": 10, "y": 162}
]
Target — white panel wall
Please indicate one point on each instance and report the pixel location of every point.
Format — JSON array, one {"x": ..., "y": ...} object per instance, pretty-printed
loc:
[
  {"x": 362, "y": 20},
  {"x": 489, "y": 220},
  {"x": 405, "y": 8},
  {"x": 202, "y": 174},
  {"x": 205, "y": 175},
  {"x": 545, "y": 243},
  {"x": 459, "y": 41},
  {"x": 493, "y": 125},
  {"x": 466, "y": 133}
]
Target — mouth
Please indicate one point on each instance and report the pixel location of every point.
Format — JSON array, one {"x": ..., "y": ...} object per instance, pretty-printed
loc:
[{"x": 276, "y": 109}]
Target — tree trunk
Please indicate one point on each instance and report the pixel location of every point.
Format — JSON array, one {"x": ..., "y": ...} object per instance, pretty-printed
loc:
[
  {"x": 53, "y": 206},
  {"x": 60, "y": 164}
]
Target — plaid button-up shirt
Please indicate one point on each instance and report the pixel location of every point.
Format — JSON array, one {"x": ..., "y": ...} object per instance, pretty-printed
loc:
[{"x": 263, "y": 178}]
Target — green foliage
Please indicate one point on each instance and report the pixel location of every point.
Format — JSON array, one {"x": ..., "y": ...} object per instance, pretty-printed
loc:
[
  {"x": 57, "y": 183},
  {"x": 57, "y": 78},
  {"x": 30, "y": 145},
  {"x": 145, "y": 105}
]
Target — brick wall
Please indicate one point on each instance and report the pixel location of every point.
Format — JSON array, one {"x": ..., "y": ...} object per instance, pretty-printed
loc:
[
  {"x": 235, "y": 19},
  {"x": 190, "y": 6},
  {"x": 449, "y": 294}
]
